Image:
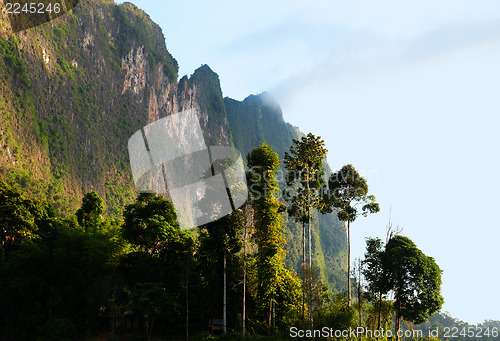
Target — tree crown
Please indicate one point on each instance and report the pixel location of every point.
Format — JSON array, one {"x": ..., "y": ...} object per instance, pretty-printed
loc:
[{"x": 346, "y": 190}]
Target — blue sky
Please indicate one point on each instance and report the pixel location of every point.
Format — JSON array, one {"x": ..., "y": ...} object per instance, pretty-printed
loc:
[{"x": 406, "y": 92}]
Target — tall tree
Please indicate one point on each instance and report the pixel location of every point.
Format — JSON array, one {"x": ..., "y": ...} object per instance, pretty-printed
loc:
[
  {"x": 269, "y": 231},
  {"x": 161, "y": 263},
  {"x": 91, "y": 211},
  {"x": 304, "y": 162},
  {"x": 357, "y": 273},
  {"x": 374, "y": 274},
  {"x": 346, "y": 190},
  {"x": 415, "y": 279},
  {"x": 317, "y": 296},
  {"x": 297, "y": 209},
  {"x": 220, "y": 239},
  {"x": 148, "y": 222},
  {"x": 248, "y": 216}
]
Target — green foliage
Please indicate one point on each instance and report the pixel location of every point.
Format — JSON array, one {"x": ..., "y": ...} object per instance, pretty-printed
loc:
[
  {"x": 269, "y": 237},
  {"x": 316, "y": 291},
  {"x": 288, "y": 298},
  {"x": 415, "y": 279},
  {"x": 36, "y": 188},
  {"x": 218, "y": 241},
  {"x": 347, "y": 189},
  {"x": 66, "y": 68},
  {"x": 263, "y": 165},
  {"x": 14, "y": 64},
  {"x": 62, "y": 272},
  {"x": 149, "y": 222},
  {"x": 149, "y": 299},
  {"x": 305, "y": 165},
  {"x": 258, "y": 119},
  {"x": 374, "y": 273},
  {"x": 340, "y": 316},
  {"x": 70, "y": 112},
  {"x": 59, "y": 33},
  {"x": 91, "y": 210},
  {"x": 379, "y": 314},
  {"x": 66, "y": 124},
  {"x": 373, "y": 270},
  {"x": 401, "y": 268},
  {"x": 52, "y": 134},
  {"x": 62, "y": 279},
  {"x": 19, "y": 216},
  {"x": 81, "y": 120},
  {"x": 163, "y": 263},
  {"x": 17, "y": 107}
]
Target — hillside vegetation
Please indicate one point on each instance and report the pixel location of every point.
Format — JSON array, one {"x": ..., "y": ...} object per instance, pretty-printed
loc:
[{"x": 75, "y": 89}]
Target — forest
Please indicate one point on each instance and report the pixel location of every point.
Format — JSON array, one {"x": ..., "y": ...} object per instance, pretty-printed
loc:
[
  {"x": 141, "y": 277},
  {"x": 84, "y": 256}
]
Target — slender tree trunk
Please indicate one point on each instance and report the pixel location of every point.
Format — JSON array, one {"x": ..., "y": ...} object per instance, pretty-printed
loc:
[
  {"x": 244, "y": 278},
  {"x": 311, "y": 300},
  {"x": 309, "y": 229},
  {"x": 310, "y": 262},
  {"x": 309, "y": 213},
  {"x": 359, "y": 296},
  {"x": 398, "y": 320},
  {"x": 303, "y": 243},
  {"x": 348, "y": 263},
  {"x": 379, "y": 311},
  {"x": 269, "y": 319},
  {"x": 303, "y": 272},
  {"x": 274, "y": 314},
  {"x": 187, "y": 306},
  {"x": 224, "y": 321}
]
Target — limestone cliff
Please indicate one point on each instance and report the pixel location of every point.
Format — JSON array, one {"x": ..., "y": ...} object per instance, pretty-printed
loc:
[
  {"x": 74, "y": 90},
  {"x": 92, "y": 78}
]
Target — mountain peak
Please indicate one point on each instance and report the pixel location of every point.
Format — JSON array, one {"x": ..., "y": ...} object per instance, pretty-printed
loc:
[{"x": 265, "y": 99}]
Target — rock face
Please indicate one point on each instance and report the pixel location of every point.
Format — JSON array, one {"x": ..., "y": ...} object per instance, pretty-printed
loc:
[
  {"x": 74, "y": 90},
  {"x": 134, "y": 66},
  {"x": 95, "y": 76}
]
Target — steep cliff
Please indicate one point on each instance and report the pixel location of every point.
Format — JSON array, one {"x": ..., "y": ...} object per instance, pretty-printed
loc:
[{"x": 73, "y": 91}]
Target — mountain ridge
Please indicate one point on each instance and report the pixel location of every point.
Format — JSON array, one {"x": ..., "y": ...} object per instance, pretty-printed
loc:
[{"x": 75, "y": 89}]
